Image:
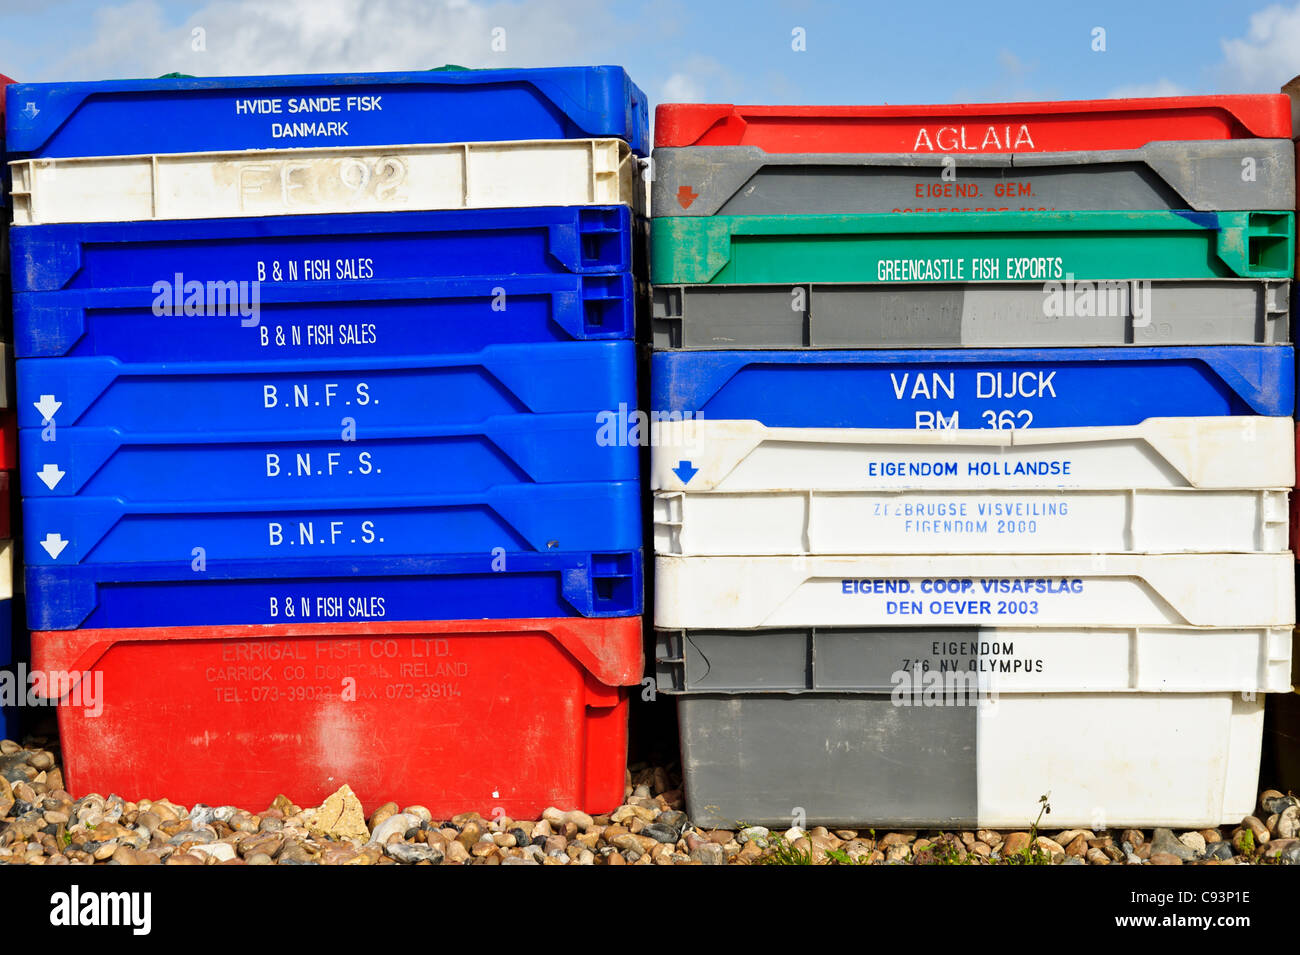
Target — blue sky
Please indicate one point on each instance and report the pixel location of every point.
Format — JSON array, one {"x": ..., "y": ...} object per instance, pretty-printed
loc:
[{"x": 679, "y": 50}]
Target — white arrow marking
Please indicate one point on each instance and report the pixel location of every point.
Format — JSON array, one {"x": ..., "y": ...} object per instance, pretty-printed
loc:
[
  {"x": 51, "y": 475},
  {"x": 54, "y": 544},
  {"x": 47, "y": 406}
]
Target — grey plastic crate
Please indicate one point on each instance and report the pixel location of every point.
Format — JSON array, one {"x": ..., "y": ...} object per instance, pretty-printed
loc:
[
  {"x": 1209, "y": 176},
  {"x": 843, "y": 760},
  {"x": 1211, "y": 312}
]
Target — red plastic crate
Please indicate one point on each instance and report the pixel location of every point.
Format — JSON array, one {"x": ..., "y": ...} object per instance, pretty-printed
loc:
[
  {"x": 483, "y": 715},
  {"x": 975, "y": 127},
  {"x": 8, "y": 440}
]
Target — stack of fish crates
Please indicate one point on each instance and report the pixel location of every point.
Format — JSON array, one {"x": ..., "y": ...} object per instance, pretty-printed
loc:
[
  {"x": 975, "y": 446},
  {"x": 12, "y": 637},
  {"x": 313, "y": 371}
]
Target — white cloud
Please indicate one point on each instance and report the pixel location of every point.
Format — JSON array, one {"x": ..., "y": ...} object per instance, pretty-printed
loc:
[
  {"x": 1161, "y": 87},
  {"x": 702, "y": 79},
  {"x": 1267, "y": 56},
  {"x": 297, "y": 36}
]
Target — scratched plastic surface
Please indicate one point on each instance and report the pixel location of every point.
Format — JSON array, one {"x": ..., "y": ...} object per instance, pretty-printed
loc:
[
  {"x": 129, "y": 117},
  {"x": 334, "y": 590},
  {"x": 973, "y": 388},
  {"x": 278, "y": 690},
  {"x": 339, "y": 320},
  {"x": 975, "y": 127},
  {"x": 243, "y": 397},
  {"x": 315, "y": 464},
  {"x": 506, "y": 522},
  {"x": 322, "y": 250},
  {"x": 1037, "y": 247}
]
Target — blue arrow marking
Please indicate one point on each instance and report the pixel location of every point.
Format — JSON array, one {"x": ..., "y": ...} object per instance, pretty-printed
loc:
[{"x": 685, "y": 472}]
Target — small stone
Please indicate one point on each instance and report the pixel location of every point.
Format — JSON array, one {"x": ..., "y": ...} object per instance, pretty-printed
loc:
[
  {"x": 6, "y": 797},
  {"x": 340, "y": 816},
  {"x": 1210, "y": 836},
  {"x": 898, "y": 853},
  {"x": 721, "y": 836},
  {"x": 709, "y": 854},
  {"x": 1258, "y": 828},
  {"x": 1272, "y": 801},
  {"x": 626, "y": 813},
  {"x": 1288, "y": 823},
  {"x": 392, "y": 826},
  {"x": 221, "y": 851},
  {"x": 41, "y": 761},
  {"x": 408, "y": 854},
  {"x": 1051, "y": 846},
  {"x": 1097, "y": 857},
  {"x": 1133, "y": 837},
  {"x": 202, "y": 815},
  {"x": 896, "y": 839},
  {"x": 259, "y": 858},
  {"x": 1078, "y": 846},
  {"x": 420, "y": 813},
  {"x": 55, "y": 817},
  {"x": 1220, "y": 850},
  {"x": 673, "y": 819},
  {"x": 1164, "y": 858},
  {"x": 1165, "y": 842},
  {"x": 1015, "y": 842},
  {"x": 758, "y": 834},
  {"x": 1194, "y": 841},
  {"x": 381, "y": 814},
  {"x": 1285, "y": 851},
  {"x": 990, "y": 837},
  {"x": 660, "y": 833},
  {"x": 456, "y": 853}
]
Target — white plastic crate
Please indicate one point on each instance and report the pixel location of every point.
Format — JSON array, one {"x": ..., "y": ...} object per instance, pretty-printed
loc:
[
  {"x": 1199, "y": 590},
  {"x": 1219, "y": 452},
  {"x": 1105, "y": 760},
  {"x": 1184, "y": 760},
  {"x": 219, "y": 185},
  {"x": 1139, "y": 521}
]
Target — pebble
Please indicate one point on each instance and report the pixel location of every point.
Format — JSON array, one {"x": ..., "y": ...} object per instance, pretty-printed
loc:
[
  {"x": 408, "y": 854},
  {"x": 660, "y": 833},
  {"x": 41, "y": 824},
  {"x": 392, "y": 826},
  {"x": 709, "y": 854},
  {"x": 1258, "y": 828},
  {"x": 1287, "y": 825},
  {"x": 1164, "y": 841}
]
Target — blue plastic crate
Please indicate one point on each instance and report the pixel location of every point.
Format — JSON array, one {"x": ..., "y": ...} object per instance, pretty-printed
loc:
[
  {"x": 174, "y": 115},
  {"x": 335, "y": 590},
  {"x": 318, "y": 250},
  {"x": 315, "y": 465},
  {"x": 338, "y": 320},
  {"x": 252, "y": 398},
  {"x": 976, "y": 387},
  {"x": 526, "y": 518}
]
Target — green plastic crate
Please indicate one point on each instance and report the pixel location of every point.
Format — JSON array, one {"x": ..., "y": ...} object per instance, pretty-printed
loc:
[{"x": 971, "y": 247}]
